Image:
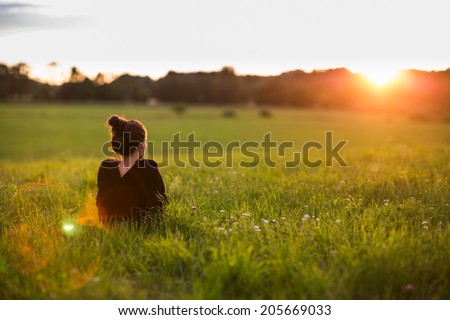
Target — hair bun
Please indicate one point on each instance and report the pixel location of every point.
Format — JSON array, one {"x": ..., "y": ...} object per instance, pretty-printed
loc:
[{"x": 116, "y": 121}]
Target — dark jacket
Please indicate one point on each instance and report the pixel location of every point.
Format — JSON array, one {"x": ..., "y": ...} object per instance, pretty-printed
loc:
[{"x": 140, "y": 192}]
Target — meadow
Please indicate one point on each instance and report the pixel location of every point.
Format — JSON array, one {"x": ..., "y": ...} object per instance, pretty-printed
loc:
[{"x": 375, "y": 229}]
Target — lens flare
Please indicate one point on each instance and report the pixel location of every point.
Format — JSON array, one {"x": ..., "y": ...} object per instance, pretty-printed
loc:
[{"x": 68, "y": 228}]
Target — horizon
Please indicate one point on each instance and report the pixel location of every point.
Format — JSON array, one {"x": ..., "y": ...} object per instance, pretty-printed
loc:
[{"x": 109, "y": 76}]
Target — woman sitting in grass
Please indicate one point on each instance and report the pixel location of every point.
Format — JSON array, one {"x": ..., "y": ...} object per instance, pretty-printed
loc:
[{"x": 130, "y": 188}]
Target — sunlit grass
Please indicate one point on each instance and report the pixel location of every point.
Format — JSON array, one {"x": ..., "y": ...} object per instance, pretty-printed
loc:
[{"x": 378, "y": 229}]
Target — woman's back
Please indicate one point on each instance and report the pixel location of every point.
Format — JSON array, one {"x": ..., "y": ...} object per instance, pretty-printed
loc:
[{"x": 140, "y": 189}]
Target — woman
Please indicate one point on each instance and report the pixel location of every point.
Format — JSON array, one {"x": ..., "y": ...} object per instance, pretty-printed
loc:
[{"x": 132, "y": 187}]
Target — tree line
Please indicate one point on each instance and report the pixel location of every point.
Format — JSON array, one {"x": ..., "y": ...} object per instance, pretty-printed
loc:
[{"x": 331, "y": 89}]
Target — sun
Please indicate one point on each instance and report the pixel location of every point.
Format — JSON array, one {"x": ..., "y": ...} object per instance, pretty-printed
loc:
[{"x": 381, "y": 77}]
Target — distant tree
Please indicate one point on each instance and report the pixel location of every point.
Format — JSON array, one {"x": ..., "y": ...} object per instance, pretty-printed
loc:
[
  {"x": 20, "y": 70},
  {"x": 228, "y": 70},
  {"x": 229, "y": 113},
  {"x": 77, "y": 91},
  {"x": 52, "y": 66},
  {"x": 129, "y": 88},
  {"x": 419, "y": 92},
  {"x": 272, "y": 92},
  {"x": 228, "y": 87},
  {"x": 265, "y": 113},
  {"x": 179, "y": 109},
  {"x": 100, "y": 79},
  {"x": 76, "y": 75},
  {"x": 5, "y": 89},
  {"x": 20, "y": 84}
]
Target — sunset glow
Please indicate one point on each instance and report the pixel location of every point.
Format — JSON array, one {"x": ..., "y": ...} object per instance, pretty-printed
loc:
[
  {"x": 381, "y": 77},
  {"x": 86, "y": 34}
]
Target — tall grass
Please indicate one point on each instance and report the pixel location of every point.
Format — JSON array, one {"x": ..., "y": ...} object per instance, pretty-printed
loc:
[{"x": 378, "y": 229}]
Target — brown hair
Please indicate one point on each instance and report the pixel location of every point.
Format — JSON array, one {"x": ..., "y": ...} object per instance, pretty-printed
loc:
[{"x": 126, "y": 135}]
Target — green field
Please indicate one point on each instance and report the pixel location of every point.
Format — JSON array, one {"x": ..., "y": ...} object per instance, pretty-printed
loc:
[{"x": 377, "y": 229}]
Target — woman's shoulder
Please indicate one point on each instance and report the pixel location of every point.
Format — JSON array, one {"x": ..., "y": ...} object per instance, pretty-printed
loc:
[
  {"x": 109, "y": 163},
  {"x": 148, "y": 163}
]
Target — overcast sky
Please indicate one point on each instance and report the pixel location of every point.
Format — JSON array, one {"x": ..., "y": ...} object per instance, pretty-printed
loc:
[{"x": 255, "y": 36}]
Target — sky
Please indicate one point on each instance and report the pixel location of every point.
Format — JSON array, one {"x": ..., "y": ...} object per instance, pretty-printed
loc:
[{"x": 148, "y": 37}]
